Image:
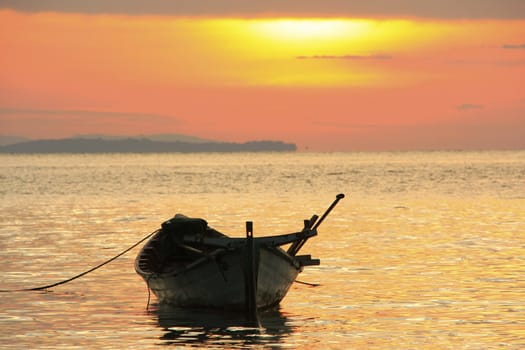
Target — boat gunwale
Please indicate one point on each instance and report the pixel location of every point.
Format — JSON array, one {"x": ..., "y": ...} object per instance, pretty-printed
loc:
[{"x": 276, "y": 250}]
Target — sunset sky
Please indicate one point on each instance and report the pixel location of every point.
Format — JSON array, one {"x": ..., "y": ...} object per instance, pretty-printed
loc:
[{"x": 328, "y": 75}]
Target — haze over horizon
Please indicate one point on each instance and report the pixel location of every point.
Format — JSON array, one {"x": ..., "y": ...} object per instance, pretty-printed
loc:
[{"x": 327, "y": 76}]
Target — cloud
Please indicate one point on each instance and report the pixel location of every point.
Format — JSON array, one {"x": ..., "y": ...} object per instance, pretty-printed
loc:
[
  {"x": 468, "y": 106},
  {"x": 522, "y": 46},
  {"x": 57, "y": 123},
  {"x": 343, "y": 125},
  {"x": 345, "y": 57},
  {"x": 502, "y": 9},
  {"x": 60, "y": 113}
]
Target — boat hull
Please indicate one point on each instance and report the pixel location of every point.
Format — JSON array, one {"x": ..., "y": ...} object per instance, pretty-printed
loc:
[{"x": 219, "y": 281}]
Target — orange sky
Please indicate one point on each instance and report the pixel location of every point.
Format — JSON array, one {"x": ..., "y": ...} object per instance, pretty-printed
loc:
[{"x": 330, "y": 83}]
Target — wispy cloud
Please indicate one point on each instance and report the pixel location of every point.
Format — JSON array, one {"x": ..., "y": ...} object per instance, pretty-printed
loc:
[
  {"x": 507, "y": 46},
  {"x": 345, "y": 57},
  {"x": 469, "y": 106},
  {"x": 84, "y": 113},
  {"x": 327, "y": 8},
  {"x": 342, "y": 125},
  {"x": 54, "y": 123}
]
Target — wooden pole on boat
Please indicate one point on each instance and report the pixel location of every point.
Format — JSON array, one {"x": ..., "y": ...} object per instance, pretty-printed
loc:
[
  {"x": 337, "y": 199},
  {"x": 296, "y": 246},
  {"x": 250, "y": 277}
]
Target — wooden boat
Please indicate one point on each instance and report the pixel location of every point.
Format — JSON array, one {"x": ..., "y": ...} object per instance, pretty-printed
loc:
[{"x": 186, "y": 263}]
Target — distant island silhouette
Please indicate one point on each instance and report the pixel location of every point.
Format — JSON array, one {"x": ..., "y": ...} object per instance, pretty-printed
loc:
[{"x": 141, "y": 145}]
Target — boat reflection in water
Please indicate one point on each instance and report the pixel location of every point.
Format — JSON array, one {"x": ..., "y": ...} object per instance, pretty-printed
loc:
[{"x": 209, "y": 328}]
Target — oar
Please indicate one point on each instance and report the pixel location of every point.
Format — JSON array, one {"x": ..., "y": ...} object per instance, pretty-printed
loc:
[
  {"x": 332, "y": 206},
  {"x": 296, "y": 246}
]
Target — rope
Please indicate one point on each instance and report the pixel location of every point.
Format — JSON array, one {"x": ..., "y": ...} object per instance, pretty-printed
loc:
[
  {"x": 308, "y": 283},
  {"x": 83, "y": 273}
]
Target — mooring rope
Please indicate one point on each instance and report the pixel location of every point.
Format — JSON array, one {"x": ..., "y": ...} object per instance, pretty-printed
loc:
[
  {"x": 308, "y": 283},
  {"x": 83, "y": 273}
]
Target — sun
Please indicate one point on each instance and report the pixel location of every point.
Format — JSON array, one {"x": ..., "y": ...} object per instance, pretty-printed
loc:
[
  {"x": 268, "y": 51},
  {"x": 310, "y": 29},
  {"x": 302, "y": 28}
]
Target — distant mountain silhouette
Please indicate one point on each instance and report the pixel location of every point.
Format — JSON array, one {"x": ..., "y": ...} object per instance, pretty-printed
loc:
[
  {"x": 9, "y": 140},
  {"x": 141, "y": 145}
]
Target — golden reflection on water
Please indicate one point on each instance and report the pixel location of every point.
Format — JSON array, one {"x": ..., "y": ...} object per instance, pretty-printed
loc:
[
  {"x": 418, "y": 269},
  {"x": 422, "y": 278}
]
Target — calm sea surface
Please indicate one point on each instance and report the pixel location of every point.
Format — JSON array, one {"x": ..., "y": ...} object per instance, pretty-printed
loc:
[{"x": 427, "y": 251}]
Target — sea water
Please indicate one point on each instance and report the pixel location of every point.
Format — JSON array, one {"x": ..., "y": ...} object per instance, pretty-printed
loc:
[{"x": 427, "y": 250}]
